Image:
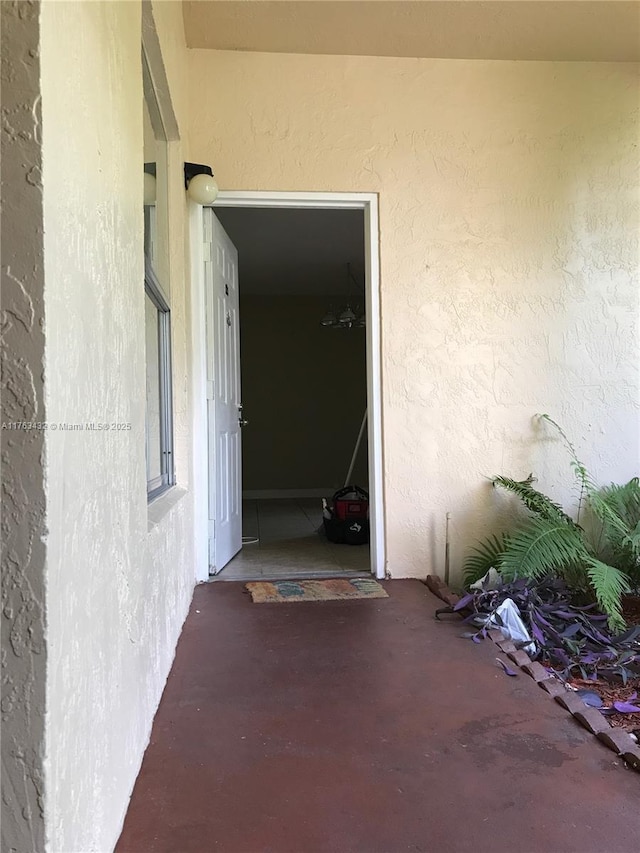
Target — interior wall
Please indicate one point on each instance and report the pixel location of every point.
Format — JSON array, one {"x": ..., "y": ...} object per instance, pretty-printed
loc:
[
  {"x": 24, "y": 656},
  {"x": 120, "y": 572},
  {"x": 509, "y": 246},
  {"x": 303, "y": 392}
]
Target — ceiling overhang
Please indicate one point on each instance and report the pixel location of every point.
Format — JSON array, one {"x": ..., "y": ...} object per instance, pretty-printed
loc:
[{"x": 548, "y": 30}]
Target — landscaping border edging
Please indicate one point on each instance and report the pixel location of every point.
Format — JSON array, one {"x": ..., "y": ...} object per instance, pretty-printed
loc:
[{"x": 617, "y": 740}]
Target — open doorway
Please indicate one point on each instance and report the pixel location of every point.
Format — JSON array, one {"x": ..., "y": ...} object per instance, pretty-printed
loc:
[
  {"x": 303, "y": 380},
  {"x": 308, "y": 325}
]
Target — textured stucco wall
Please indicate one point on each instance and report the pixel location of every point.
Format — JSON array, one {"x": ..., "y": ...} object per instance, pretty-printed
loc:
[
  {"x": 120, "y": 573},
  {"x": 509, "y": 237},
  {"x": 23, "y": 505}
]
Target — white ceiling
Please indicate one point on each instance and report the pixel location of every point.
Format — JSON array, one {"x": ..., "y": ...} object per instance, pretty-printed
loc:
[
  {"x": 589, "y": 30},
  {"x": 285, "y": 251}
]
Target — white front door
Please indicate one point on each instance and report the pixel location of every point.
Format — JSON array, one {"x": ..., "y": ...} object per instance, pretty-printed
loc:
[{"x": 224, "y": 407}]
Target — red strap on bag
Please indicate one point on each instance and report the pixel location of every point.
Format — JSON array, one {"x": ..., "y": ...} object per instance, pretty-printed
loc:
[{"x": 351, "y": 502}]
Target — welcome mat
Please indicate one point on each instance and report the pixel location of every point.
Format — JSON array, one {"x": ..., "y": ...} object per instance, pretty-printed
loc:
[{"x": 266, "y": 592}]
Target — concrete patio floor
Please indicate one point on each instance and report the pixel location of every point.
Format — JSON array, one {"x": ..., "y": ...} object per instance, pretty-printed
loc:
[{"x": 364, "y": 726}]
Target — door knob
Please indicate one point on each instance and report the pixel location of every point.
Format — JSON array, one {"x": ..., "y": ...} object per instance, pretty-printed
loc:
[{"x": 242, "y": 421}]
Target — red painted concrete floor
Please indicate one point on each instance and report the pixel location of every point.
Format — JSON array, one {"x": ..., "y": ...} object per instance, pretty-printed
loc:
[{"x": 364, "y": 726}]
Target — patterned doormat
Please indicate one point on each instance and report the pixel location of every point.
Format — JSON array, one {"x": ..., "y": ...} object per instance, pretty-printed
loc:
[{"x": 267, "y": 592}]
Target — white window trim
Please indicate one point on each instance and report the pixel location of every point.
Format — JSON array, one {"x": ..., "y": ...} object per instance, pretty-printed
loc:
[
  {"x": 153, "y": 290},
  {"x": 157, "y": 96}
]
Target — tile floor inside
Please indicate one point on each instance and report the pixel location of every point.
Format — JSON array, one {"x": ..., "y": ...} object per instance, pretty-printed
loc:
[{"x": 289, "y": 545}]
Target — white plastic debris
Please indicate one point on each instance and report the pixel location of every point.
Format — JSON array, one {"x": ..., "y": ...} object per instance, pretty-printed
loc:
[
  {"x": 511, "y": 625},
  {"x": 492, "y": 580}
]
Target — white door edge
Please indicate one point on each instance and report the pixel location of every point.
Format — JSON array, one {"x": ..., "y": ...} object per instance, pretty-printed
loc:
[
  {"x": 368, "y": 202},
  {"x": 223, "y": 393},
  {"x": 199, "y": 471}
]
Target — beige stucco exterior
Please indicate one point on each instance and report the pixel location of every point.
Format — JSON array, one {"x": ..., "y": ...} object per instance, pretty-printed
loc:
[
  {"x": 509, "y": 254},
  {"x": 120, "y": 573},
  {"x": 509, "y": 247}
]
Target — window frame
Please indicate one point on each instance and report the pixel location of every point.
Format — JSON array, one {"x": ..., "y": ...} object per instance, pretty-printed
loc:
[
  {"x": 164, "y": 125},
  {"x": 152, "y": 288}
]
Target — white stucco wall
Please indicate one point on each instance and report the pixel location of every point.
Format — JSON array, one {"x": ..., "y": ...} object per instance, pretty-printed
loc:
[
  {"x": 119, "y": 575},
  {"x": 509, "y": 235}
]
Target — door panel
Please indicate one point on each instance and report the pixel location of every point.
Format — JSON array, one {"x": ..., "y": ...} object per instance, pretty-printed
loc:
[{"x": 224, "y": 404}]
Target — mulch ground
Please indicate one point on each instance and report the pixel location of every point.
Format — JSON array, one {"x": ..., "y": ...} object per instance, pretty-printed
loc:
[
  {"x": 616, "y": 691},
  {"x": 631, "y": 609},
  {"x": 610, "y": 693}
]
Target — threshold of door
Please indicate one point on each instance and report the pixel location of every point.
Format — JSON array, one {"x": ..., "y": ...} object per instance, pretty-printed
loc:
[{"x": 285, "y": 575}]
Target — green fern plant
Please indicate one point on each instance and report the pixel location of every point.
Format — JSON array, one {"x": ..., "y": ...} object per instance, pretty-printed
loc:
[
  {"x": 534, "y": 500},
  {"x": 587, "y": 486},
  {"x": 486, "y": 555},
  {"x": 550, "y": 542},
  {"x": 617, "y": 508},
  {"x": 542, "y": 548},
  {"x": 609, "y": 584}
]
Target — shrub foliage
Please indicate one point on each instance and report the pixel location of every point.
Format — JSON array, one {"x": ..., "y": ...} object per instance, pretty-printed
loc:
[{"x": 603, "y": 563}]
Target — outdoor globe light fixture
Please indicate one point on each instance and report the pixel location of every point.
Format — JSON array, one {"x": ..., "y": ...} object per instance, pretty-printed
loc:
[{"x": 200, "y": 184}]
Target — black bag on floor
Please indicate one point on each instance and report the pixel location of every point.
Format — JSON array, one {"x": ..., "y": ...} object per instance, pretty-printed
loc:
[{"x": 348, "y": 517}]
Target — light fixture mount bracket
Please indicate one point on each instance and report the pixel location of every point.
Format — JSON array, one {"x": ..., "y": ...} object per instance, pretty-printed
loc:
[{"x": 193, "y": 169}]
